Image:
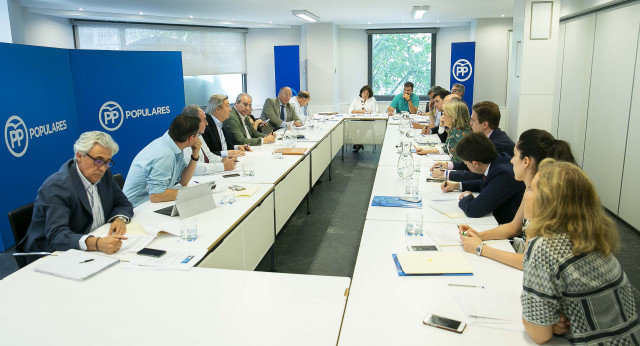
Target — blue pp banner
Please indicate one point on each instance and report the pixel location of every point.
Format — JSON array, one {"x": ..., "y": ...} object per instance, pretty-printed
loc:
[
  {"x": 131, "y": 95},
  {"x": 37, "y": 109},
  {"x": 463, "y": 57},
  {"x": 287, "y": 67}
]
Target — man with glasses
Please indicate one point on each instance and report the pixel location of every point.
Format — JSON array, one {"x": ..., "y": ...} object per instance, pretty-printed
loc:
[
  {"x": 239, "y": 124},
  {"x": 160, "y": 165},
  {"x": 79, "y": 198}
]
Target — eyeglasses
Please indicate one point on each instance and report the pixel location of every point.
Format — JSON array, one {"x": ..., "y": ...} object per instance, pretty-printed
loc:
[
  {"x": 100, "y": 163},
  {"x": 246, "y": 104}
]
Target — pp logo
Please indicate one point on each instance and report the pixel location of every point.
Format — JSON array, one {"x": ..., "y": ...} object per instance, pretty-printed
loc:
[
  {"x": 462, "y": 70},
  {"x": 111, "y": 116},
  {"x": 15, "y": 136}
]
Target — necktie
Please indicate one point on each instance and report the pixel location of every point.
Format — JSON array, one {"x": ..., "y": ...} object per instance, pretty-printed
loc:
[
  {"x": 206, "y": 159},
  {"x": 282, "y": 113}
]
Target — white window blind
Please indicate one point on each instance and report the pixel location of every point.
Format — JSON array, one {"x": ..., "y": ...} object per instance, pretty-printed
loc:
[{"x": 205, "y": 51}]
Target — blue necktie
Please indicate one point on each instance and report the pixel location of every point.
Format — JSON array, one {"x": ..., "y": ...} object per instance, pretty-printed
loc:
[{"x": 282, "y": 113}]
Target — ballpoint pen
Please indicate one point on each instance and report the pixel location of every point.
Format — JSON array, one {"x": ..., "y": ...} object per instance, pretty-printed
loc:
[{"x": 85, "y": 261}]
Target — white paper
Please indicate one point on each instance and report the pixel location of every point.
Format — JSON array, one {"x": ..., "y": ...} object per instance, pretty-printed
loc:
[
  {"x": 75, "y": 264},
  {"x": 439, "y": 157},
  {"x": 172, "y": 259},
  {"x": 449, "y": 208},
  {"x": 487, "y": 304},
  {"x": 135, "y": 243},
  {"x": 444, "y": 235}
]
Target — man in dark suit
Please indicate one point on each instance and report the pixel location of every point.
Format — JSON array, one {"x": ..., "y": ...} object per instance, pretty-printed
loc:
[
  {"x": 79, "y": 198},
  {"x": 219, "y": 141},
  {"x": 485, "y": 118},
  {"x": 239, "y": 124},
  {"x": 279, "y": 111},
  {"x": 500, "y": 192}
]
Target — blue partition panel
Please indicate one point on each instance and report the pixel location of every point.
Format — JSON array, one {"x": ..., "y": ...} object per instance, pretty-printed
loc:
[
  {"x": 133, "y": 96},
  {"x": 287, "y": 67},
  {"x": 38, "y": 111},
  {"x": 463, "y": 59}
]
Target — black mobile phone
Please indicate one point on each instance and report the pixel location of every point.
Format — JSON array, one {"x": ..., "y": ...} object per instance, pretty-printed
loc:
[
  {"x": 151, "y": 252},
  {"x": 444, "y": 323},
  {"x": 423, "y": 248},
  {"x": 231, "y": 175}
]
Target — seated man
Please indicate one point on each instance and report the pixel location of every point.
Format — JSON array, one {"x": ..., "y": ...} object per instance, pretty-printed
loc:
[
  {"x": 405, "y": 102},
  {"x": 160, "y": 165},
  {"x": 431, "y": 111},
  {"x": 485, "y": 118},
  {"x": 278, "y": 111},
  {"x": 239, "y": 125},
  {"x": 79, "y": 198},
  {"x": 208, "y": 162},
  {"x": 500, "y": 192},
  {"x": 219, "y": 141},
  {"x": 458, "y": 89}
]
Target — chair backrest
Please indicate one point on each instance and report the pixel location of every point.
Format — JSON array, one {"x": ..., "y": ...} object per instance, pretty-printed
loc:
[
  {"x": 119, "y": 179},
  {"x": 20, "y": 219}
]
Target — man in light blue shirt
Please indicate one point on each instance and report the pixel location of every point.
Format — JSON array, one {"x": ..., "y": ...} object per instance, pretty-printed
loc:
[
  {"x": 405, "y": 102},
  {"x": 160, "y": 165}
]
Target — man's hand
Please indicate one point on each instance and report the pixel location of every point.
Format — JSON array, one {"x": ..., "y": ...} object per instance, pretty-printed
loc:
[
  {"x": 229, "y": 163},
  {"x": 437, "y": 173},
  {"x": 236, "y": 153},
  {"x": 417, "y": 125},
  {"x": 390, "y": 111},
  {"x": 470, "y": 241},
  {"x": 297, "y": 123},
  {"x": 562, "y": 326},
  {"x": 465, "y": 194},
  {"x": 195, "y": 147},
  {"x": 118, "y": 227},
  {"x": 450, "y": 187},
  {"x": 110, "y": 244},
  {"x": 245, "y": 147},
  {"x": 407, "y": 97},
  {"x": 271, "y": 138},
  {"x": 439, "y": 165}
]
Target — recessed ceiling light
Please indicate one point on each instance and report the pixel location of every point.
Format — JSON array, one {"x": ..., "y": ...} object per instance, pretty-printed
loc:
[
  {"x": 502, "y": 15},
  {"x": 369, "y": 23},
  {"x": 190, "y": 16},
  {"x": 305, "y": 15},
  {"x": 437, "y": 21},
  {"x": 80, "y": 9},
  {"x": 270, "y": 22},
  {"x": 233, "y": 19},
  {"x": 419, "y": 11},
  {"x": 140, "y": 13}
]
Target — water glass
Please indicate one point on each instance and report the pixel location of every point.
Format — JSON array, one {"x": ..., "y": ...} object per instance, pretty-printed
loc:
[
  {"x": 413, "y": 229},
  {"x": 188, "y": 229},
  {"x": 277, "y": 151},
  {"x": 228, "y": 196},
  {"x": 412, "y": 186},
  {"x": 247, "y": 169}
]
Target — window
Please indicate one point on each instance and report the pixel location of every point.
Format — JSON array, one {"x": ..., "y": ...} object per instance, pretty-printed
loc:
[{"x": 400, "y": 56}]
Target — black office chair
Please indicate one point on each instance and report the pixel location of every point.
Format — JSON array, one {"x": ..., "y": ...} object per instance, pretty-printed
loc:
[
  {"x": 119, "y": 179},
  {"x": 20, "y": 219}
]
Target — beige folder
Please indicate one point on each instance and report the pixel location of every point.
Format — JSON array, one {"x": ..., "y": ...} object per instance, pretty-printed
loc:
[{"x": 434, "y": 262}]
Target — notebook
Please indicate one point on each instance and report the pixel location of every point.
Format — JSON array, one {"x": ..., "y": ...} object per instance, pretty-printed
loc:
[
  {"x": 434, "y": 263},
  {"x": 75, "y": 264}
]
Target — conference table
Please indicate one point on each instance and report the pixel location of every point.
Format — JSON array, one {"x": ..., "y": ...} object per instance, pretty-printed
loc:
[{"x": 223, "y": 301}]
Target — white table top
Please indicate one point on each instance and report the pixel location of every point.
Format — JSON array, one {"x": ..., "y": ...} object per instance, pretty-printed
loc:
[
  {"x": 387, "y": 309},
  {"x": 202, "y": 306}
]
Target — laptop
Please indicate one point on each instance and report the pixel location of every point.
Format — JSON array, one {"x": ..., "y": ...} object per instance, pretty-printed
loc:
[{"x": 191, "y": 201}]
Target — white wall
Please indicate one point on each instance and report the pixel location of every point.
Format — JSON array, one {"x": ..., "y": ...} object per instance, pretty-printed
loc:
[
  {"x": 353, "y": 63},
  {"x": 445, "y": 37},
  {"x": 322, "y": 56},
  {"x": 47, "y": 31},
  {"x": 261, "y": 79},
  {"x": 491, "y": 60}
]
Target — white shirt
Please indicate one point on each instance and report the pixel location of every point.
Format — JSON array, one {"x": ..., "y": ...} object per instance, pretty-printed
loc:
[
  {"x": 297, "y": 108},
  {"x": 369, "y": 106},
  {"x": 96, "y": 207},
  {"x": 202, "y": 168}
]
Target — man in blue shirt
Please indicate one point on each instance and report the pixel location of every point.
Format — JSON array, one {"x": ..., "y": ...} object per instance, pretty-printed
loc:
[
  {"x": 160, "y": 165},
  {"x": 405, "y": 102}
]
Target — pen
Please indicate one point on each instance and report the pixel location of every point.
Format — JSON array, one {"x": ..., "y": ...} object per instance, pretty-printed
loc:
[
  {"x": 446, "y": 177},
  {"x": 464, "y": 233},
  {"x": 438, "y": 166},
  {"x": 85, "y": 261},
  {"x": 459, "y": 285},
  {"x": 197, "y": 182}
]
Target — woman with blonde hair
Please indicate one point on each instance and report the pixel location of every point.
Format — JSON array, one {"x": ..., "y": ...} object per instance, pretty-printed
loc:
[
  {"x": 570, "y": 272},
  {"x": 455, "y": 118}
]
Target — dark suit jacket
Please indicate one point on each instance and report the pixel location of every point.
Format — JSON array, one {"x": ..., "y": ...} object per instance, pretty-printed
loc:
[
  {"x": 234, "y": 127},
  {"x": 62, "y": 213},
  {"x": 503, "y": 144},
  {"x": 212, "y": 138},
  {"x": 500, "y": 193},
  {"x": 271, "y": 111}
]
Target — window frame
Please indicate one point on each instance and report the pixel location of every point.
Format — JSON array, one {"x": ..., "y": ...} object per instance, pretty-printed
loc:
[{"x": 432, "y": 31}]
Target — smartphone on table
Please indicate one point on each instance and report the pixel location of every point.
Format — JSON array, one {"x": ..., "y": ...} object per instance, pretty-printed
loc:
[{"x": 444, "y": 323}]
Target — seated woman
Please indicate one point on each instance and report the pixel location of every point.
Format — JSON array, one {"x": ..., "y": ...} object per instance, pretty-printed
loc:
[
  {"x": 533, "y": 146},
  {"x": 455, "y": 118},
  {"x": 570, "y": 272},
  {"x": 363, "y": 104},
  {"x": 299, "y": 101}
]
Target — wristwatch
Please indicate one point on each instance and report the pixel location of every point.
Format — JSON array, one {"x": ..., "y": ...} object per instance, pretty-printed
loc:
[
  {"x": 479, "y": 249},
  {"x": 194, "y": 158},
  {"x": 124, "y": 219}
]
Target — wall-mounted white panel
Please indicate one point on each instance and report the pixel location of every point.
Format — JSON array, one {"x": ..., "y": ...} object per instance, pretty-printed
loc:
[
  {"x": 576, "y": 80},
  {"x": 631, "y": 173},
  {"x": 558, "y": 81},
  {"x": 614, "y": 59}
]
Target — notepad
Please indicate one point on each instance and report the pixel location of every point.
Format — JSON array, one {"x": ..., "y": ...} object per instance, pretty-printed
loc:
[
  {"x": 449, "y": 208},
  {"x": 434, "y": 263},
  {"x": 491, "y": 305},
  {"x": 291, "y": 151},
  {"x": 393, "y": 201},
  {"x": 248, "y": 191},
  {"x": 76, "y": 264}
]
